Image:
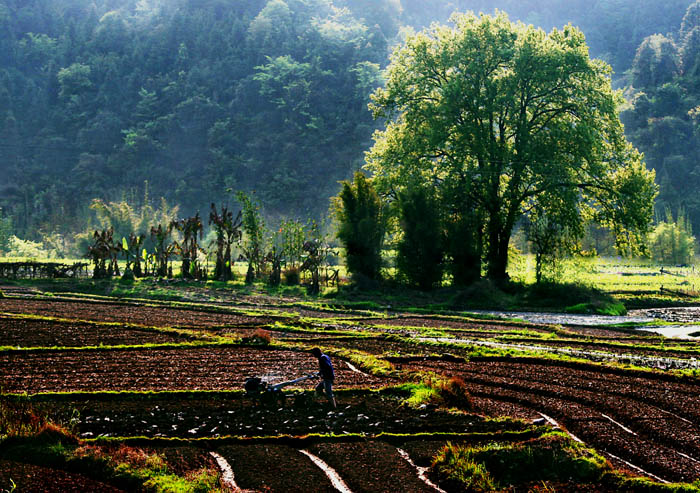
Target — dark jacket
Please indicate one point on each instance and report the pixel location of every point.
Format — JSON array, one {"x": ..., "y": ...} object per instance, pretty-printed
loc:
[{"x": 325, "y": 367}]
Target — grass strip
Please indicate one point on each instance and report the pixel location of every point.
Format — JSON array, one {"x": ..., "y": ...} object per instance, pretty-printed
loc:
[
  {"x": 609, "y": 344},
  {"x": 310, "y": 328},
  {"x": 147, "y": 395},
  {"x": 313, "y": 438},
  {"x": 123, "y": 347},
  {"x": 644, "y": 485},
  {"x": 187, "y": 333},
  {"x": 218, "y": 342}
]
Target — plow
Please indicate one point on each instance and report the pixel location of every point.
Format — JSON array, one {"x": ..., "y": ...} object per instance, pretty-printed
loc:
[{"x": 268, "y": 394}]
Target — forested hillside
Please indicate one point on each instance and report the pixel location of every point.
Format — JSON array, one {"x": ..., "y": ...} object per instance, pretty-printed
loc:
[
  {"x": 664, "y": 114},
  {"x": 186, "y": 99}
]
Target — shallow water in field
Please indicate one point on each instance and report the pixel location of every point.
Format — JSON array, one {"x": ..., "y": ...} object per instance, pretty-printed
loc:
[
  {"x": 674, "y": 331},
  {"x": 566, "y": 318},
  {"x": 592, "y": 355},
  {"x": 681, "y": 315}
]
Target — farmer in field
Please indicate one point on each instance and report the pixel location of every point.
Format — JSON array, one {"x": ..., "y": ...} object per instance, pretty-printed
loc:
[{"x": 325, "y": 369}]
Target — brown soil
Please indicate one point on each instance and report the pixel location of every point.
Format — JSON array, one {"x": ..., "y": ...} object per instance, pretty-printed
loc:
[
  {"x": 213, "y": 368},
  {"x": 379, "y": 346},
  {"x": 309, "y": 313},
  {"x": 372, "y": 467},
  {"x": 274, "y": 468},
  {"x": 133, "y": 313},
  {"x": 445, "y": 323},
  {"x": 275, "y": 334},
  {"x": 615, "y": 334},
  {"x": 33, "y": 478},
  {"x": 20, "y": 332},
  {"x": 661, "y": 414},
  {"x": 234, "y": 414},
  {"x": 491, "y": 407}
]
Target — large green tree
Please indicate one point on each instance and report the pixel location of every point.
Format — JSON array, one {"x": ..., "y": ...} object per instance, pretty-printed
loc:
[{"x": 502, "y": 113}]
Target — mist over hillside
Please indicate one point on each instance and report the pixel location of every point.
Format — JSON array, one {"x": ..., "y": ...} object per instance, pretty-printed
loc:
[{"x": 188, "y": 99}]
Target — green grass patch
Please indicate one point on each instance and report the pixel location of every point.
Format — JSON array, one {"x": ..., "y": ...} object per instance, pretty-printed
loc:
[
  {"x": 366, "y": 362},
  {"x": 438, "y": 391},
  {"x": 551, "y": 457},
  {"x": 419, "y": 393},
  {"x": 613, "y": 309},
  {"x": 644, "y": 485}
]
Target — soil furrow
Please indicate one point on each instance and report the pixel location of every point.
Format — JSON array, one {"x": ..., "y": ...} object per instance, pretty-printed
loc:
[
  {"x": 375, "y": 467},
  {"x": 224, "y": 368},
  {"x": 602, "y": 434},
  {"x": 274, "y": 468}
]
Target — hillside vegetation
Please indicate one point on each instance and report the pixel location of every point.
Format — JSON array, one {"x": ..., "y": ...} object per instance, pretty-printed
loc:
[{"x": 186, "y": 99}]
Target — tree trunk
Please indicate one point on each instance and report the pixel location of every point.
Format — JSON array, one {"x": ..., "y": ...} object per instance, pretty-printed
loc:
[{"x": 498, "y": 256}]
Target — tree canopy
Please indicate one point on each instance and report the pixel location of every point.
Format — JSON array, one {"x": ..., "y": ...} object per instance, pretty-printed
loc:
[{"x": 500, "y": 117}]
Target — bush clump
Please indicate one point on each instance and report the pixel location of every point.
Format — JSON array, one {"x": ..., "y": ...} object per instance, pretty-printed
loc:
[
  {"x": 18, "y": 419},
  {"x": 614, "y": 309},
  {"x": 260, "y": 337},
  {"x": 361, "y": 225},
  {"x": 454, "y": 393},
  {"x": 451, "y": 393},
  {"x": 672, "y": 241},
  {"x": 292, "y": 276},
  {"x": 458, "y": 471},
  {"x": 482, "y": 294}
]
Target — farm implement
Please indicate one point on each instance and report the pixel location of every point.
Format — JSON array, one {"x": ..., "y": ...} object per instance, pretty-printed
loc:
[{"x": 267, "y": 394}]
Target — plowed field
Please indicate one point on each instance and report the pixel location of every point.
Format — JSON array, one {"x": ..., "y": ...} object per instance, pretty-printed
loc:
[
  {"x": 133, "y": 313},
  {"x": 20, "y": 332},
  {"x": 650, "y": 421},
  {"x": 646, "y": 422},
  {"x": 206, "y": 368}
]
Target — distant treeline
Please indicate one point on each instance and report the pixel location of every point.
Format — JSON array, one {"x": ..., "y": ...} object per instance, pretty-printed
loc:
[{"x": 197, "y": 97}]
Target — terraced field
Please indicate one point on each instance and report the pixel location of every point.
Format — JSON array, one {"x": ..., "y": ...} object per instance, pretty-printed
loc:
[{"x": 168, "y": 378}]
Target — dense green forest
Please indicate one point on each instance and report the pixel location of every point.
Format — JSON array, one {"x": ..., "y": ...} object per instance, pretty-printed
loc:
[
  {"x": 190, "y": 99},
  {"x": 664, "y": 113}
]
